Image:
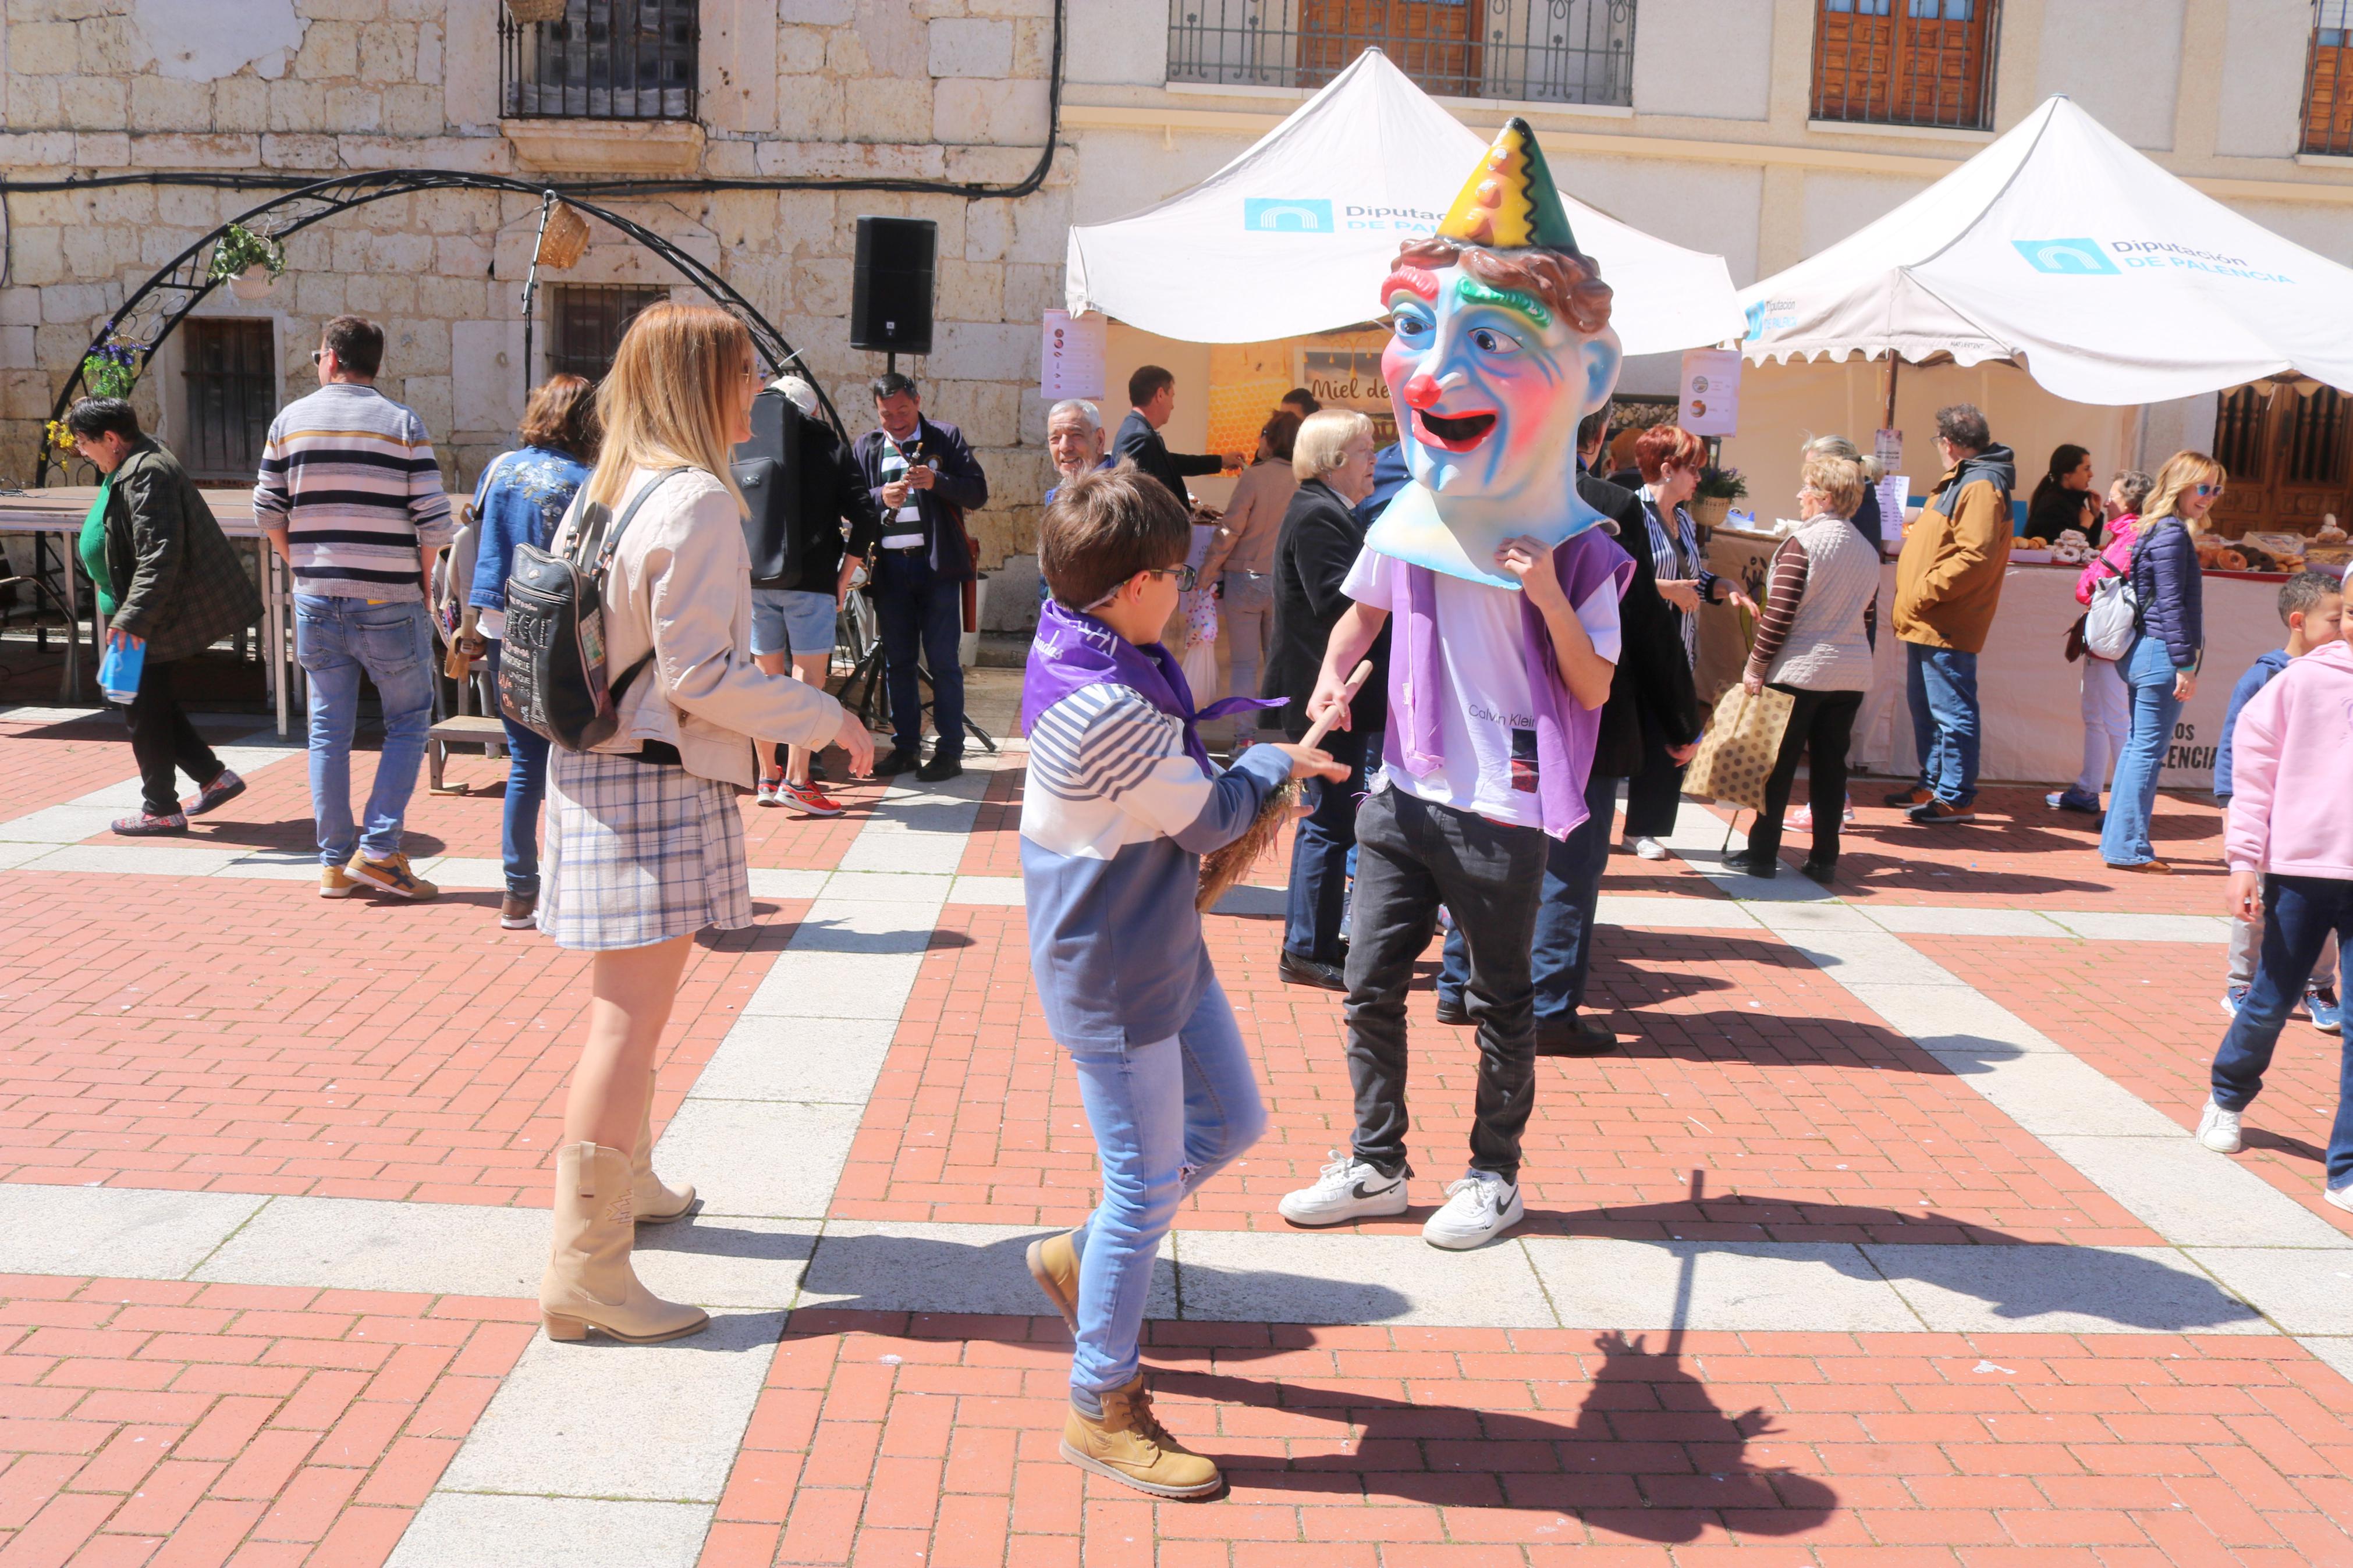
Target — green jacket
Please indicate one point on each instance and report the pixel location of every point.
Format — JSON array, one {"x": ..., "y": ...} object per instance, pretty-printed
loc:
[{"x": 181, "y": 584}]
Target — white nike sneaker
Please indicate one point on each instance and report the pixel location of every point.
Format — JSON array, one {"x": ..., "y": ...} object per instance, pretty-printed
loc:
[
  {"x": 2219, "y": 1129},
  {"x": 1347, "y": 1188},
  {"x": 1649, "y": 849},
  {"x": 1479, "y": 1208}
]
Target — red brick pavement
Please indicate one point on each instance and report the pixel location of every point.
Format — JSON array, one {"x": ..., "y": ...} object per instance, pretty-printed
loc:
[
  {"x": 274, "y": 813},
  {"x": 2021, "y": 854},
  {"x": 2148, "y": 1015},
  {"x": 43, "y": 765},
  {"x": 184, "y": 1426},
  {"x": 881, "y": 1439},
  {"x": 1806, "y": 1119},
  {"x": 245, "y": 1035}
]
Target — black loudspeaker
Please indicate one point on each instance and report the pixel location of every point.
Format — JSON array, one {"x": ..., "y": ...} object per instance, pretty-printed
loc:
[{"x": 890, "y": 302}]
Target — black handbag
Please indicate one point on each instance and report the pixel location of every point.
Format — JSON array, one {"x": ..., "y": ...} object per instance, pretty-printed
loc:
[{"x": 552, "y": 661}]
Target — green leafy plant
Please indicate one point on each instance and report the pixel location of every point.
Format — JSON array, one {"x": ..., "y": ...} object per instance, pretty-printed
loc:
[
  {"x": 111, "y": 369},
  {"x": 1722, "y": 484},
  {"x": 240, "y": 249}
]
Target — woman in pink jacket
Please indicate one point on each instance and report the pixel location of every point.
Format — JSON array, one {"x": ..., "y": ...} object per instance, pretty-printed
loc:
[
  {"x": 2107, "y": 701},
  {"x": 2289, "y": 841}
]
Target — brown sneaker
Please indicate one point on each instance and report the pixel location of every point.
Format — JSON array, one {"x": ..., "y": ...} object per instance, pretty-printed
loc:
[
  {"x": 1129, "y": 1445},
  {"x": 392, "y": 877},
  {"x": 1054, "y": 1263},
  {"x": 518, "y": 911},
  {"x": 335, "y": 883}
]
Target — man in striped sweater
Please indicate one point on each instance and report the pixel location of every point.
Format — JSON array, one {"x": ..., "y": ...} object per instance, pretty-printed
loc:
[{"x": 351, "y": 499}]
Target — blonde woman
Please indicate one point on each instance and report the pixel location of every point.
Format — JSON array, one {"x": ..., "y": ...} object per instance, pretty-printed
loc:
[
  {"x": 2161, "y": 668},
  {"x": 646, "y": 845}
]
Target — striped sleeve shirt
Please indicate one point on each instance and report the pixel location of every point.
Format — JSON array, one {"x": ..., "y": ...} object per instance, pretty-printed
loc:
[{"x": 349, "y": 474}]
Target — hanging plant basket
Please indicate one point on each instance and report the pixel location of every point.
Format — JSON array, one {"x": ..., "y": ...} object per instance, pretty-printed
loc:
[
  {"x": 566, "y": 239},
  {"x": 536, "y": 10},
  {"x": 239, "y": 255},
  {"x": 110, "y": 370}
]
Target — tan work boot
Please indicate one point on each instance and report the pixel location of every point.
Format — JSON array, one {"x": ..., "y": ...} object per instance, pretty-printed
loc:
[
  {"x": 655, "y": 1201},
  {"x": 589, "y": 1283},
  {"x": 1129, "y": 1445},
  {"x": 1054, "y": 1263}
]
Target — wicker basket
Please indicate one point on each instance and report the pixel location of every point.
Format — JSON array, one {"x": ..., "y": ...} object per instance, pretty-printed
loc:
[
  {"x": 536, "y": 10},
  {"x": 566, "y": 239}
]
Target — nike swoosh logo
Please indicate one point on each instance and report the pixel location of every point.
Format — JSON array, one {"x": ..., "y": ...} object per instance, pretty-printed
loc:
[{"x": 1359, "y": 1192}]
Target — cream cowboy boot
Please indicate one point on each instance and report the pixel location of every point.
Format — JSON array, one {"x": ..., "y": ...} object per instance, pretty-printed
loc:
[
  {"x": 589, "y": 1283},
  {"x": 655, "y": 1200}
]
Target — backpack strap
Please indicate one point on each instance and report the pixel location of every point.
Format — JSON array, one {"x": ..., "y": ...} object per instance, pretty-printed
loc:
[{"x": 604, "y": 554}]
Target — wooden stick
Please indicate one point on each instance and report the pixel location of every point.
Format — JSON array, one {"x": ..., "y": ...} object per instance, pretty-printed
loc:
[{"x": 1324, "y": 726}]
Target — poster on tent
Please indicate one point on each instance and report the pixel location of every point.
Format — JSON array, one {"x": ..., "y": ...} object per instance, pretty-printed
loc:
[
  {"x": 1710, "y": 392},
  {"x": 1071, "y": 360},
  {"x": 1351, "y": 378}
]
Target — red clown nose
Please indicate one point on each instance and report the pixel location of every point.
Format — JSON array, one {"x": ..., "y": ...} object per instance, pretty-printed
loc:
[{"x": 1421, "y": 390}]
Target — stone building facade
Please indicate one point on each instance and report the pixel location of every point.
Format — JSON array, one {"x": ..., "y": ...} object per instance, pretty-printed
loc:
[{"x": 1705, "y": 121}]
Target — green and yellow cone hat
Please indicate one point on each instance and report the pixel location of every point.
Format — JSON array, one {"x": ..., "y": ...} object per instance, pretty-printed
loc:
[{"x": 1510, "y": 203}]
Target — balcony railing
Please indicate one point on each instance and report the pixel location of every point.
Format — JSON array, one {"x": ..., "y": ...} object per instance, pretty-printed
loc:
[
  {"x": 1542, "y": 51},
  {"x": 607, "y": 59},
  {"x": 2328, "y": 81},
  {"x": 1905, "y": 62}
]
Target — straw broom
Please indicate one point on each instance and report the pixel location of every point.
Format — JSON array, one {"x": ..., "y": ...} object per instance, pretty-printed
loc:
[{"x": 1221, "y": 869}]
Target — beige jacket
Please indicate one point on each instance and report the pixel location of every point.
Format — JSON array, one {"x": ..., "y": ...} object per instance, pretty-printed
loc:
[
  {"x": 681, "y": 585},
  {"x": 1246, "y": 535}
]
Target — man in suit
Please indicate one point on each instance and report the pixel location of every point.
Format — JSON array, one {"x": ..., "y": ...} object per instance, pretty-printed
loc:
[
  {"x": 1652, "y": 682},
  {"x": 1153, "y": 392},
  {"x": 924, "y": 479}
]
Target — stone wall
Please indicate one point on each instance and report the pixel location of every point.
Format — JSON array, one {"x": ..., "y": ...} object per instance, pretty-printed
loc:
[{"x": 942, "y": 89}]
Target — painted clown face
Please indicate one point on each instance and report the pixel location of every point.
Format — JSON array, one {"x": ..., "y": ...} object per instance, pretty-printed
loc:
[{"x": 1489, "y": 384}]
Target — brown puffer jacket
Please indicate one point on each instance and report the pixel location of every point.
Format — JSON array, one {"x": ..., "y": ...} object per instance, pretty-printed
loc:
[{"x": 181, "y": 585}]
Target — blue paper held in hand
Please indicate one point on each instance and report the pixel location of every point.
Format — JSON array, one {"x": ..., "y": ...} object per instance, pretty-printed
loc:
[{"x": 119, "y": 670}]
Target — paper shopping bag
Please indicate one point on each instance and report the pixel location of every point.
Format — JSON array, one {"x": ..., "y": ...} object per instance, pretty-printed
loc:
[{"x": 1736, "y": 754}]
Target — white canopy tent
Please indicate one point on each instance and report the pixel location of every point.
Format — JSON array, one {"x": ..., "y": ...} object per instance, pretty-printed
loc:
[
  {"x": 1295, "y": 235},
  {"x": 2062, "y": 249}
]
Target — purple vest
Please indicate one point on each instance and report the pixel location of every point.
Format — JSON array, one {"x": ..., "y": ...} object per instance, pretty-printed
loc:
[{"x": 1565, "y": 730}]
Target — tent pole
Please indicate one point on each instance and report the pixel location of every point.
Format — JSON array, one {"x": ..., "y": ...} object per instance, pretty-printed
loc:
[{"x": 1889, "y": 422}]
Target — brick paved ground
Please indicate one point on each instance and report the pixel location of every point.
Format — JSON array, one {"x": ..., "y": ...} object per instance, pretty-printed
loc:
[
  {"x": 237, "y": 1035},
  {"x": 173, "y": 1425},
  {"x": 881, "y": 1439}
]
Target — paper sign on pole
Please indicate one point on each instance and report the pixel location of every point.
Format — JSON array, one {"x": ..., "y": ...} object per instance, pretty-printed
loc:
[
  {"x": 1710, "y": 392},
  {"x": 1071, "y": 363},
  {"x": 1888, "y": 447},
  {"x": 1892, "y": 492}
]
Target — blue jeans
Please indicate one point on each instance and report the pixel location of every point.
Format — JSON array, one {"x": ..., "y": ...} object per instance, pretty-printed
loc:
[
  {"x": 1942, "y": 684},
  {"x": 2299, "y": 913},
  {"x": 334, "y": 640},
  {"x": 1563, "y": 952},
  {"x": 526, "y": 787},
  {"x": 1166, "y": 1117},
  {"x": 920, "y": 614},
  {"x": 1320, "y": 849},
  {"x": 2149, "y": 674}
]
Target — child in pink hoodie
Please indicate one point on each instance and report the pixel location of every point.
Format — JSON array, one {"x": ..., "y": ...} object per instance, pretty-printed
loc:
[{"x": 2290, "y": 846}]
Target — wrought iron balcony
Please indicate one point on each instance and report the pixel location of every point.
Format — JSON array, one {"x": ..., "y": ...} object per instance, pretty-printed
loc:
[
  {"x": 1540, "y": 51},
  {"x": 607, "y": 59}
]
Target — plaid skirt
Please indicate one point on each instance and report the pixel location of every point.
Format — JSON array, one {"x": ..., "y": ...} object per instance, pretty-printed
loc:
[{"x": 639, "y": 853}]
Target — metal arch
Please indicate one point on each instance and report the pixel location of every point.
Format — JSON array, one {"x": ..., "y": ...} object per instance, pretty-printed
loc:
[{"x": 157, "y": 307}]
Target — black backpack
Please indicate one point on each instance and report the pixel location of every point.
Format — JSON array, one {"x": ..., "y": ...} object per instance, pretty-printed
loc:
[{"x": 552, "y": 660}]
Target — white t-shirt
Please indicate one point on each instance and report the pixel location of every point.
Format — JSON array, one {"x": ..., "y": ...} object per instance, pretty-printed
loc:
[
  {"x": 1483, "y": 677},
  {"x": 910, "y": 516}
]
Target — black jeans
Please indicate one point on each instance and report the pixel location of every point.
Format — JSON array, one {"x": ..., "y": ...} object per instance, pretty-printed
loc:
[
  {"x": 1820, "y": 724},
  {"x": 1412, "y": 857},
  {"x": 920, "y": 614},
  {"x": 1656, "y": 790},
  {"x": 161, "y": 738},
  {"x": 1562, "y": 958}
]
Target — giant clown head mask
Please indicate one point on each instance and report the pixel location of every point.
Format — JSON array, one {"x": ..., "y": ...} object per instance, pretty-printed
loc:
[{"x": 1501, "y": 344}]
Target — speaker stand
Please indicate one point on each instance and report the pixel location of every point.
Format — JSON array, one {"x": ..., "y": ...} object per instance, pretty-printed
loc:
[{"x": 872, "y": 702}]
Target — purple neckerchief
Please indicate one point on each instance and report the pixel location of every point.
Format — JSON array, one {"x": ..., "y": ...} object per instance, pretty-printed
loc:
[
  {"x": 1073, "y": 650},
  {"x": 1565, "y": 731}
]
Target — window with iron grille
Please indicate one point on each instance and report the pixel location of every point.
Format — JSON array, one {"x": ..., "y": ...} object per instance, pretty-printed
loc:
[
  {"x": 586, "y": 321},
  {"x": 230, "y": 385},
  {"x": 1905, "y": 62},
  {"x": 607, "y": 59},
  {"x": 1543, "y": 51},
  {"x": 2328, "y": 80}
]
